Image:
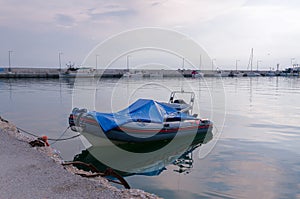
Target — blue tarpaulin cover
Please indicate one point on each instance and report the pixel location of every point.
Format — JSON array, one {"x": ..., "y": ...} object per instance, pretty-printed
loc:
[{"x": 143, "y": 110}]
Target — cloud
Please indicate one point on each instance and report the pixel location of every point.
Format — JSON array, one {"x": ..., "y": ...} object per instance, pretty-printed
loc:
[
  {"x": 225, "y": 28},
  {"x": 272, "y": 30},
  {"x": 113, "y": 13},
  {"x": 153, "y": 13},
  {"x": 258, "y": 3},
  {"x": 64, "y": 20}
]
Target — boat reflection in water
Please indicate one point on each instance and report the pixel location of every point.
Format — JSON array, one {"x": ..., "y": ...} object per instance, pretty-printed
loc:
[{"x": 145, "y": 159}]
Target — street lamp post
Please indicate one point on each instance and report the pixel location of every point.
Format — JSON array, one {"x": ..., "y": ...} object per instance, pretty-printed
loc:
[
  {"x": 59, "y": 59},
  {"x": 9, "y": 62},
  {"x": 97, "y": 61},
  {"x": 127, "y": 62},
  {"x": 200, "y": 62},
  {"x": 236, "y": 64},
  {"x": 292, "y": 59},
  {"x": 257, "y": 64},
  {"x": 212, "y": 64}
]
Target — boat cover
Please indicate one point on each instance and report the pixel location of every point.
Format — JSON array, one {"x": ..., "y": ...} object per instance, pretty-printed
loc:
[{"x": 143, "y": 110}]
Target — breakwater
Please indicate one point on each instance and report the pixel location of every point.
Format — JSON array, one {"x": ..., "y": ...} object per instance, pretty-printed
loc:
[
  {"x": 29, "y": 73},
  {"x": 19, "y": 72},
  {"x": 108, "y": 73}
]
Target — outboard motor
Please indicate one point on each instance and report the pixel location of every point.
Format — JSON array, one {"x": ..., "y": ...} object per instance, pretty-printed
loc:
[
  {"x": 74, "y": 119},
  {"x": 71, "y": 120}
]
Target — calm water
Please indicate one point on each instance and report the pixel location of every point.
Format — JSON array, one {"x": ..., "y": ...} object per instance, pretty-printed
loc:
[{"x": 255, "y": 150}]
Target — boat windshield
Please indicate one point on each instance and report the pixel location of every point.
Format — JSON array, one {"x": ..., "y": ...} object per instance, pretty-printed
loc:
[{"x": 183, "y": 100}]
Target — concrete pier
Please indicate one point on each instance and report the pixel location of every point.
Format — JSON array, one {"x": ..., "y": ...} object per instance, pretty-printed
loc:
[
  {"x": 30, "y": 73},
  {"x": 28, "y": 172},
  {"x": 19, "y": 72}
]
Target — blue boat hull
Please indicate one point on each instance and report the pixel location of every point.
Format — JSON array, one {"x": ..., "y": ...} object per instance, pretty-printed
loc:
[{"x": 90, "y": 128}]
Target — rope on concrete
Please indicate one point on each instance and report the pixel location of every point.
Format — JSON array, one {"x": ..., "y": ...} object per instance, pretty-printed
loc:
[{"x": 52, "y": 139}]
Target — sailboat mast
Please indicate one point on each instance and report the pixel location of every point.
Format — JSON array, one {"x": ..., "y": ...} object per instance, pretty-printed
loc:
[
  {"x": 127, "y": 62},
  {"x": 200, "y": 62},
  {"x": 251, "y": 58}
]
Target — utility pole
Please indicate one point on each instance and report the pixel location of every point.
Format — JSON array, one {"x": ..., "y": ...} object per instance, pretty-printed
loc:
[
  {"x": 212, "y": 64},
  {"x": 59, "y": 60},
  {"x": 292, "y": 59},
  {"x": 236, "y": 64},
  {"x": 9, "y": 62},
  {"x": 127, "y": 62},
  {"x": 97, "y": 61},
  {"x": 257, "y": 64},
  {"x": 200, "y": 62}
]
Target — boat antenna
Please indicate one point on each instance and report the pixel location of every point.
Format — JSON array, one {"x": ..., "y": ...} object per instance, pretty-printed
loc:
[{"x": 182, "y": 75}]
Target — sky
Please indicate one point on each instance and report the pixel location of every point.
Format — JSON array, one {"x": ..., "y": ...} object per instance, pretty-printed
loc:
[{"x": 36, "y": 31}]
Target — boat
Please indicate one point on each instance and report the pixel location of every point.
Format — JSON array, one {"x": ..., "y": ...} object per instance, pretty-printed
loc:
[
  {"x": 133, "y": 75},
  {"x": 198, "y": 74},
  {"x": 145, "y": 120},
  {"x": 220, "y": 73},
  {"x": 270, "y": 73},
  {"x": 282, "y": 73},
  {"x": 236, "y": 74},
  {"x": 84, "y": 72},
  {"x": 251, "y": 73},
  {"x": 156, "y": 75},
  {"x": 291, "y": 72}
]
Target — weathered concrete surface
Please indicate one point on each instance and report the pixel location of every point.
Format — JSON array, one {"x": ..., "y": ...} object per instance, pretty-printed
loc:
[{"x": 27, "y": 172}]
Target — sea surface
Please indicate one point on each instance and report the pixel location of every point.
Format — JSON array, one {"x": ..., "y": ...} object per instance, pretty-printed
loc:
[{"x": 254, "y": 151}]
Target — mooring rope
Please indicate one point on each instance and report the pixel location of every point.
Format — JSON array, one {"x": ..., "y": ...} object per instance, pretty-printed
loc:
[
  {"x": 24, "y": 131},
  {"x": 52, "y": 139},
  {"x": 108, "y": 172}
]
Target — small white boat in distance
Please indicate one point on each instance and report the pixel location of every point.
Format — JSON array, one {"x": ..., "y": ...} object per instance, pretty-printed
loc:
[
  {"x": 290, "y": 72},
  {"x": 252, "y": 74},
  {"x": 197, "y": 74},
  {"x": 220, "y": 73},
  {"x": 133, "y": 75},
  {"x": 236, "y": 74},
  {"x": 270, "y": 74},
  {"x": 156, "y": 75}
]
